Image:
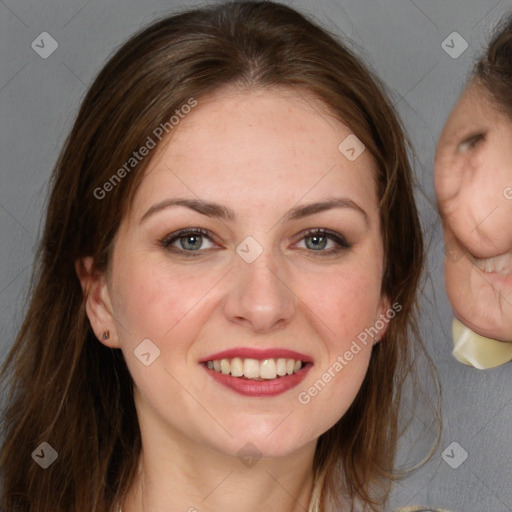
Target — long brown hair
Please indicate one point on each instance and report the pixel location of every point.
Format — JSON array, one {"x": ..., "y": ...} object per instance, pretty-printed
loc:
[{"x": 68, "y": 389}]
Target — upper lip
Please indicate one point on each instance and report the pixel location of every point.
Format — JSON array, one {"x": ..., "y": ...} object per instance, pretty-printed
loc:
[{"x": 257, "y": 353}]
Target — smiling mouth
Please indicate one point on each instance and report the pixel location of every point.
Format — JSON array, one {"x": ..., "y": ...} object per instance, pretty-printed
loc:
[
  {"x": 254, "y": 369},
  {"x": 501, "y": 264}
]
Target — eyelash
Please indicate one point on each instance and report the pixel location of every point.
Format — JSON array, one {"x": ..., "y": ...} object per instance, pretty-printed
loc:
[{"x": 183, "y": 233}]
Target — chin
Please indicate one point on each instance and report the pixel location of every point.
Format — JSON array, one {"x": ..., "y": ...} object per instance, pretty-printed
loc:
[
  {"x": 269, "y": 446},
  {"x": 496, "y": 325},
  {"x": 250, "y": 450}
]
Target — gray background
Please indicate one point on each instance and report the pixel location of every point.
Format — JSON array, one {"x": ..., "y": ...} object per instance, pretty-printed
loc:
[{"x": 402, "y": 42}]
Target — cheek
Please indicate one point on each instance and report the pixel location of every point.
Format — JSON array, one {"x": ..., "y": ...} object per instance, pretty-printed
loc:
[
  {"x": 352, "y": 302},
  {"x": 447, "y": 180},
  {"x": 476, "y": 207},
  {"x": 155, "y": 304},
  {"x": 343, "y": 316},
  {"x": 345, "y": 302},
  {"x": 156, "y": 300}
]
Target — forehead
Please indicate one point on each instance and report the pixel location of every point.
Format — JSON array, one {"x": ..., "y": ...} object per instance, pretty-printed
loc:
[
  {"x": 474, "y": 111},
  {"x": 269, "y": 145}
]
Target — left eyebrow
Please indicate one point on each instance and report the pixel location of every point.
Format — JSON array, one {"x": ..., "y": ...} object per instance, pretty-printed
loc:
[
  {"x": 210, "y": 209},
  {"x": 333, "y": 202}
]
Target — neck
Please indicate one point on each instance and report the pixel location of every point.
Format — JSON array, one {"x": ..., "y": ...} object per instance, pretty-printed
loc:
[
  {"x": 180, "y": 474},
  {"x": 273, "y": 486}
]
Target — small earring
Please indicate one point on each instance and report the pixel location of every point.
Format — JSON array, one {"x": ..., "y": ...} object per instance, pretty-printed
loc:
[{"x": 106, "y": 335}]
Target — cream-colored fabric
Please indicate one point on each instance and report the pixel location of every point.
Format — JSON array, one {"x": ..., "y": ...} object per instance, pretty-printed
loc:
[{"x": 478, "y": 351}]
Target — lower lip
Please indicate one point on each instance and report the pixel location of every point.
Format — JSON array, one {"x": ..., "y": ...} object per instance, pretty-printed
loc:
[
  {"x": 260, "y": 388},
  {"x": 497, "y": 278}
]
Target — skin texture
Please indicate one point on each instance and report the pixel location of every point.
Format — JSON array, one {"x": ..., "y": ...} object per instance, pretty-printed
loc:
[
  {"x": 260, "y": 153},
  {"x": 473, "y": 176}
]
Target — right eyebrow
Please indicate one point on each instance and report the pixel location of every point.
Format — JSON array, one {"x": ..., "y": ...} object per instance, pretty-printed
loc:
[{"x": 202, "y": 207}]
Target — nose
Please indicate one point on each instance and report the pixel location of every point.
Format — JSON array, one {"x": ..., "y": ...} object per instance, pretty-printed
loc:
[{"x": 260, "y": 294}]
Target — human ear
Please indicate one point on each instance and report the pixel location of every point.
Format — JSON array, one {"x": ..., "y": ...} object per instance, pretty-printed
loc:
[{"x": 98, "y": 305}]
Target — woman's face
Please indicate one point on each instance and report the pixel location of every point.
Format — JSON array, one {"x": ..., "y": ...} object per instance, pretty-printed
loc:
[
  {"x": 473, "y": 180},
  {"x": 253, "y": 289}
]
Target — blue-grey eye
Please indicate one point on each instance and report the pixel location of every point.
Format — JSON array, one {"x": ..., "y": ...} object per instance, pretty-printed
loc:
[
  {"x": 190, "y": 240},
  {"x": 317, "y": 241}
]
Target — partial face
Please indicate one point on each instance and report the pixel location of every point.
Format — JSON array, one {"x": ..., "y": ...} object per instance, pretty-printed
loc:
[
  {"x": 473, "y": 180},
  {"x": 252, "y": 310}
]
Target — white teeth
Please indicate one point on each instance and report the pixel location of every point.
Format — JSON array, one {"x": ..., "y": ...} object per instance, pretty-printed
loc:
[
  {"x": 251, "y": 368},
  {"x": 225, "y": 366},
  {"x": 266, "y": 369},
  {"x": 281, "y": 367},
  {"x": 500, "y": 264},
  {"x": 237, "y": 367}
]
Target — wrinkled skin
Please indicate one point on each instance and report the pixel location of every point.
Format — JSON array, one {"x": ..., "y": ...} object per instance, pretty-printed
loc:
[{"x": 473, "y": 183}]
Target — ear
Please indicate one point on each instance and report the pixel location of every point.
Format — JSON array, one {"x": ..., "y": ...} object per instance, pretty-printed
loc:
[
  {"x": 384, "y": 315},
  {"x": 98, "y": 305}
]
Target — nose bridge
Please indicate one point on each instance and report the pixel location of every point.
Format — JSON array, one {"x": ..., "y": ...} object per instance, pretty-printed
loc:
[{"x": 259, "y": 294}]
